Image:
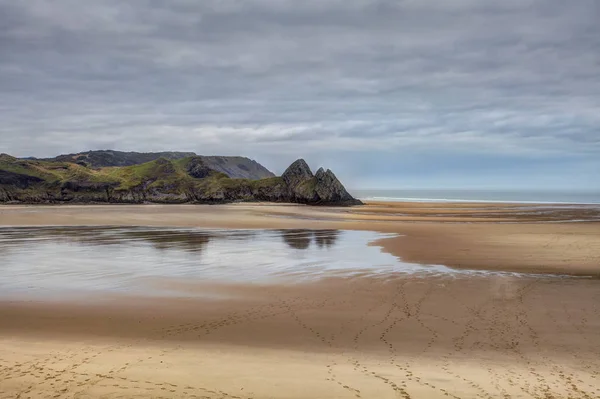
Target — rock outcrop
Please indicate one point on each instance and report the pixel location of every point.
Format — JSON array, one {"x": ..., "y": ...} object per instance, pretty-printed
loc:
[
  {"x": 198, "y": 169},
  {"x": 297, "y": 173},
  {"x": 322, "y": 188},
  {"x": 330, "y": 189}
]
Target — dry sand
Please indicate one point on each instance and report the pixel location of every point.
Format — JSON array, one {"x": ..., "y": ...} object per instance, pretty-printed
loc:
[{"x": 480, "y": 336}]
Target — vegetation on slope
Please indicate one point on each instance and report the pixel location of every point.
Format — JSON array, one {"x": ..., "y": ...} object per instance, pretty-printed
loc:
[
  {"x": 162, "y": 180},
  {"x": 180, "y": 180},
  {"x": 233, "y": 166}
]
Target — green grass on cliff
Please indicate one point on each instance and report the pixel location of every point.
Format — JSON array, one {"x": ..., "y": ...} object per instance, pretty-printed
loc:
[
  {"x": 163, "y": 174},
  {"x": 269, "y": 182},
  {"x": 157, "y": 173},
  {"x": 307, "y": 188},
  {"x": 47, "y": 171}
]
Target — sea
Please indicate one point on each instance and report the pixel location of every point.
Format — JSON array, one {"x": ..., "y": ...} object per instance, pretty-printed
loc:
[{"x": 465, "y": 195}]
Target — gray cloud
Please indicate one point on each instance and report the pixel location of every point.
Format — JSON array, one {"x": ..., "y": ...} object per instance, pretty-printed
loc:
[{"x": 291, "y": 77}]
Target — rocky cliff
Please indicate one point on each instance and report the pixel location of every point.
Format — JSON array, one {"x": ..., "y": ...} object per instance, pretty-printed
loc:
[
  {"x": 189, "y": 179},
  {"x": 321, "y": 188},
  {"x": 236, "y": 167}
]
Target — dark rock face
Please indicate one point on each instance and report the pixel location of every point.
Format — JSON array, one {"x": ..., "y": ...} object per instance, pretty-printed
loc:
[
  {"x": 323, "y": 188},
  {"x": 237, "y": 167},
  {"x": 17, "y": 179},
  {"x": 330, "y": 189},
  {"x": 198, "y": 169},
  {"x": 296, "y": 173}
]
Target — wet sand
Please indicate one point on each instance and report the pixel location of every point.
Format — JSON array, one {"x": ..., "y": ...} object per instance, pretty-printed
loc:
[
  {"x": 514, "y": 237},
  {"x": 390, "y": 336},
  {"x": 409, "y": 337}
]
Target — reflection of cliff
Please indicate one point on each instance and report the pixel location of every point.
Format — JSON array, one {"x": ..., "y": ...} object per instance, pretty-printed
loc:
[
  {"x": 301, "y": 238},
  {"x": 191, "y": 241},
  {"x": 326, "y": 238},
  {"x": 298, "y": 239},
  {"x": 162, "y": 239}
]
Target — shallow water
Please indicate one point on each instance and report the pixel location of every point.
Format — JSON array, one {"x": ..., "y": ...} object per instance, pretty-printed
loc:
[
  {"x": 64, "y": 261},
  {"x": 59, "y": 261}
]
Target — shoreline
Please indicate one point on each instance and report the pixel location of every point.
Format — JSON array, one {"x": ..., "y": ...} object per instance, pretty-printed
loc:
[
  {"x": 421, "y": 201},
  {"x": 464, "y": 236},
  {"x": 466, "y": 201}
]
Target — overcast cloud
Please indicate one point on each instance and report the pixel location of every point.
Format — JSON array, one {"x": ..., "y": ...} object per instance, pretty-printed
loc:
[{"x": 455, "y": 90}]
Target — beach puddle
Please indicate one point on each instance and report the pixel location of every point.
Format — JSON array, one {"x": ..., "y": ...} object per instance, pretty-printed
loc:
[{"x": 65, "y": 260}]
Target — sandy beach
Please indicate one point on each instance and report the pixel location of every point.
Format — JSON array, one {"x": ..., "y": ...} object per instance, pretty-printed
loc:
[
  {"x": 510, "y": 237},
  {"x": 479, "y": 335}
]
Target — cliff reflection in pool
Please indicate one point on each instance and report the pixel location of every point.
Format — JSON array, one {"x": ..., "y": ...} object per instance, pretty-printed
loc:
[{"x": 38, "y": 261}]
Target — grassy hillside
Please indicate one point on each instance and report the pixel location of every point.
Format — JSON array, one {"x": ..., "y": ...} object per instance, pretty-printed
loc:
[
  {"x": 233, "y": 166},
  {"x": 159, "y": 172},
  {"x": 106, "y": 158},
  {"x": 180, "y": 180},
  {"x": 189, "y": 179}
]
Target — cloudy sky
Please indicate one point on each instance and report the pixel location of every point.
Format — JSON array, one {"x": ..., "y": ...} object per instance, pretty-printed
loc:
[{"x": 388, "y": 93}]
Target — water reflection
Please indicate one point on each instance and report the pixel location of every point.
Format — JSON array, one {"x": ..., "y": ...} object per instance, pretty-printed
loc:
[
  {"x": 326, "y": 238},
  {"x": 161, "y": 239},
  {"x": 302, "y": 238},
  {"x": 59, "y": 260},
  {"x": 298, "y": 239},
  {"x": 192, "y": 241}
]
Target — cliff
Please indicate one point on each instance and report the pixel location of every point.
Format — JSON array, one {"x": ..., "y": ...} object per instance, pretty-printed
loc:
[
  {"x": 192, "y": 179},
  {"x": 237, "y": 167}
]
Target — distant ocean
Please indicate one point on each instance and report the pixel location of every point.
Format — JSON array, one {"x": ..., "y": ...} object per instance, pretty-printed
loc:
[{"x": 517, "y": 196}]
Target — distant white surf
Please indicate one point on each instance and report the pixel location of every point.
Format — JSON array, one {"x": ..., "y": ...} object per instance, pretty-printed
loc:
[{"x": 491, "y": 196}]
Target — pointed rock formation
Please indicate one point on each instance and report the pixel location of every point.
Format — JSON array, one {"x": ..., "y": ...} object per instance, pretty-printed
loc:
[
  {"x": 330, "y": 189},
  {"x": 296, "y": 173},
  {"x": 323, "y": 188}
]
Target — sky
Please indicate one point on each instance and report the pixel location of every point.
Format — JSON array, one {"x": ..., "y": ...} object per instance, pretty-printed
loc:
[{"x": 388, "y": 94}]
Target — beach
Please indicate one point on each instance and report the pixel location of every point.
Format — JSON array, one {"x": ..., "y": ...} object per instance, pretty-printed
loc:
[
  {"x": 468, "y": 300},
  {"x": 509, "y": 237}
]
